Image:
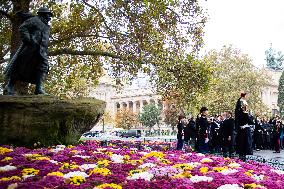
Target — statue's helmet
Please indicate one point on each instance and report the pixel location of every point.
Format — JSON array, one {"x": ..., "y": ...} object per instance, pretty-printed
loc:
[{"x": 44, "y": 10}]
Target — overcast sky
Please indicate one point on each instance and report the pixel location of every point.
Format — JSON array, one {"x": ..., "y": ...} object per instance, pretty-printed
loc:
[{"x": 250, "y": 25}]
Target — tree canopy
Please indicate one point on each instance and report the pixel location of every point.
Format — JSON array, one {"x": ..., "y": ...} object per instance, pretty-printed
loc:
[
  {"x": 160, "y": 38},
  {"x": 281, "y": 94},
  {"x": 233, "y": 72},
  {"x": 150, "y": 116},
  {"x": 126, "y": 119}
]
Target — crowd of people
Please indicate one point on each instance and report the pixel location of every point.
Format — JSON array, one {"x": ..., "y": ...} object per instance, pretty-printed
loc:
[{"x": 229, "y": 133}]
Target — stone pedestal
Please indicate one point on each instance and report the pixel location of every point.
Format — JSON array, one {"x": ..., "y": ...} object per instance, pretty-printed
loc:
[{"x": 25, "y": 120}]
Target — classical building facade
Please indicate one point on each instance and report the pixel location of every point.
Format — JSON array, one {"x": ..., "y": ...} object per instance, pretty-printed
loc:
[
  {"x": 132, "y": 98},
  {"x": 269, "y": 93},
  {"x": 135, "y": 98}
]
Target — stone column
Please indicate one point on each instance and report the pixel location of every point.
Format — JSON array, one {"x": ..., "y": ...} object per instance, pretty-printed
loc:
[
  {"x": 134, "y": 107},
  {"x": 141, "y": 106}
]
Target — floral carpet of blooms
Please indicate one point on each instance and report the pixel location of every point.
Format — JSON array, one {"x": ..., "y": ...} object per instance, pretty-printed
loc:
[{"x": 120, "y": 165}]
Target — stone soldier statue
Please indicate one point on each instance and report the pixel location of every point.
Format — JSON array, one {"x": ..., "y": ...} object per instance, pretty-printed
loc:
[{"x": 30, "y": 62}]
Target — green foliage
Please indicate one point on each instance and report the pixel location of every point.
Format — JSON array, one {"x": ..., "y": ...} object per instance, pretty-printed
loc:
[
  {"x": 150, "y": 116},
  {"x": 126, "y": 119},
  {"x": 183, "y": 81},
  {"x": 233, "y": 73},
  {"x": 274, "y": 60},
  {"x": 128, "y": 36},
  {"x": 171, "y": 116},
  {"x": 281, "y": 94}
]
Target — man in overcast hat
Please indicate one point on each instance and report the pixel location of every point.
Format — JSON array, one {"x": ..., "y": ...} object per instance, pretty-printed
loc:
[{"x": 30, "y": 62}]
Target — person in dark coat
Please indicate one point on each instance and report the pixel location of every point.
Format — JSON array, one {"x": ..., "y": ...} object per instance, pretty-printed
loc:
[
  {"x": 30, "y": 62},
  {"x": 257, "y": 136},
  {"x": 202, "y": 131},
  {"x": 180, "y": 132},
  {"x": 189, "y": 133},
  {"x": 226, "y": 132},
  {"x": 276, "y": 136},
  {"x": 243, "y": 122}
]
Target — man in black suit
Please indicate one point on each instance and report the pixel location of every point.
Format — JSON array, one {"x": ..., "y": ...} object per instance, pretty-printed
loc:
[{"x": 226, "y": 131}]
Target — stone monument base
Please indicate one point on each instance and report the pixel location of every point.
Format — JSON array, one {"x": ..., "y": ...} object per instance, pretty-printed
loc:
[{"x": 49, "y": 120}]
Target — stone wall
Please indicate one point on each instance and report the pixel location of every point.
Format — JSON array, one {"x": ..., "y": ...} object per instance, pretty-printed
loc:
[{"x": 25, "y": 120}]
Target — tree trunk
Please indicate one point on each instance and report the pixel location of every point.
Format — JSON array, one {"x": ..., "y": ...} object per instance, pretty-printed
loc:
[{"x": 16, "y": 21}]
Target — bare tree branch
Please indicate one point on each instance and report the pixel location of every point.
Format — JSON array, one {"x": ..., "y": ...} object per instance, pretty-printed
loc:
[
  {"x": 85, "y": 52},
  {"x": 56, "y": 41},
  {"x": 99, "y": 13}
]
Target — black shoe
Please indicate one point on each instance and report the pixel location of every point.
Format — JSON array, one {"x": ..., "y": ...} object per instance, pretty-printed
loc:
[{"x": 39, "y": 84}]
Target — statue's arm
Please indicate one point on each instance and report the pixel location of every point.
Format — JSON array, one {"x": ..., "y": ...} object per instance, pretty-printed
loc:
[{"x": 25, "y": 31}]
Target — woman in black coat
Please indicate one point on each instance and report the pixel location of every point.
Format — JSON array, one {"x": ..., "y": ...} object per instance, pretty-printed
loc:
[
  {"x": 243, "y": 122},
  {"x": 276, "y": 136}
]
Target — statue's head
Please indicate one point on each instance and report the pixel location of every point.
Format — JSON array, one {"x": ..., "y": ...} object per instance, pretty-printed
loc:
[{"x": 45, "y": 13}]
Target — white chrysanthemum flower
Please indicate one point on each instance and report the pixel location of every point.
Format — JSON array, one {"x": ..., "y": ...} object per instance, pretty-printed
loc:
[
  {"x": 206, "y": 160},
  {"x": 258, "y": 177},
  {"x": 27, "y": 176},
  {"x": 117, "y": 158},
  {"x": 228, "y": 171},
  {"x": 88, "y": 166},
  {"x": 83, "y": 157},
  {"x": 200, "y": 154},
  {"x": 143, "y": 175},
  {"x": 234, "y": 165},
  {"x": 60, "y": 146},
  {"x": 7, "y": 168},
  {"x": 230, "y": 186},
  {"x": 75, "y": 173},
  {"x": 277, "y": 171},
  {"x": 194, "y": 164},
  {"x": 143, "y": 153},
  {"x": 53, "y": 161},
  {"x": 150, "y": 165},
  {"x": 197, "y": 178}
]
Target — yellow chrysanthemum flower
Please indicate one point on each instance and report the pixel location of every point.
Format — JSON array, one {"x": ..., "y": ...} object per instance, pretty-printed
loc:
[
  {"x": 30, "y": 171},
  {"x": 165, "y": 161},
  {"x": 109, "y": 153},
  {"x": 183, "y": 166},
  {"x": 5, "y": 150},
  {"x": 135, "y": 162},
  {"x": 253, "y": 185},
  {"x": 34, "y": 157},
  {"x": 58, "y": 174},
  {"x": 219, "y": 169},
  {"x": 204, "y": 170},
  {"x": 10, "y": 178},
  {"x": 135, "y": 171},
  {"x": 159, "y": 155},
  {"x": 77, "y": 180},
  {"x": 103, "y": 163},
  {"x": 69, "y": 166},
  {"x": 7, "y": 159},
  {"x": 126, "y": 157},
  {"x": 249, "y": 173},
  {"x": 101, "y": 171},
  {"x": 111, "y": 185}
]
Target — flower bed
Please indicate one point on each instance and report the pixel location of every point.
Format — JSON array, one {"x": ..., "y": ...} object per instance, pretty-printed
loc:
[{"x": 121, "y": 165}]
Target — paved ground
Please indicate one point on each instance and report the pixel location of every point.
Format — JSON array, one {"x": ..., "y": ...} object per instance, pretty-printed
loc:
[{"x": 268, "y": 154}]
